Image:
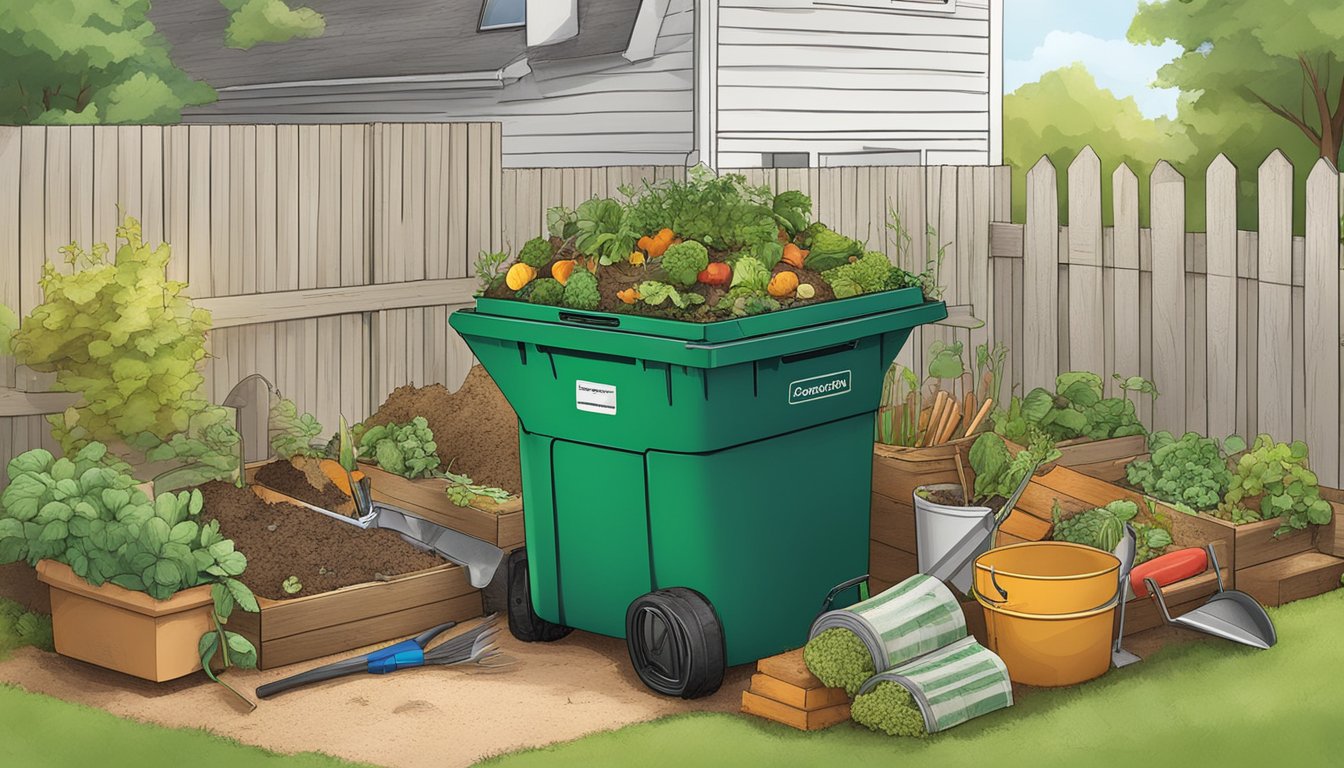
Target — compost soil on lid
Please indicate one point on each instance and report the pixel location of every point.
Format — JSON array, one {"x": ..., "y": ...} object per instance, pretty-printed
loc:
[
  {"x": 325, "y": 554},
  {"x": 474, "y": 428}
]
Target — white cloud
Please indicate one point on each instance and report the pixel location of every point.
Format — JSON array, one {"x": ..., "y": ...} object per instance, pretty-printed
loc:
[{"x": 1124, "y": 68}]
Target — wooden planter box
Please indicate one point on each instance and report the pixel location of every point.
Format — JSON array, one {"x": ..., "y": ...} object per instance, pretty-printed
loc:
[
  {"x": 898, "y": 471},
  {"x": 126, "y": 631},
  {"x": 500, "y": 524},
  {"x": 303, "y": 628}
]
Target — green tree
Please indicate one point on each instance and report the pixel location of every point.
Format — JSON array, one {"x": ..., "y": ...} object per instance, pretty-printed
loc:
[
  {"x": 1065, "y": 111},
  {"x": 269, "y": 21},
  {"x": 87, "y": 61}
]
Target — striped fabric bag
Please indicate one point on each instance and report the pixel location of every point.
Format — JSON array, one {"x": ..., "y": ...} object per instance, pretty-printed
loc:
[
  {"x": 913, "y": 618},
  {"x": 953, "y": 684}
]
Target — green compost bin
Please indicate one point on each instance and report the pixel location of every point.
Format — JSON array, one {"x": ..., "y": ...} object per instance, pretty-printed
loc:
[{"x": 729, "y": 462}]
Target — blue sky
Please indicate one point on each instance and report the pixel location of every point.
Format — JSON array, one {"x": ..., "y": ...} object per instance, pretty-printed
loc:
[{"x": 1041, "y": 35}]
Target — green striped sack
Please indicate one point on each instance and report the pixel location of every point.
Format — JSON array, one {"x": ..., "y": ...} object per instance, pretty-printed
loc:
[
  {"x": 953, "y": 684},
  {"x": 913, "y": 618}
]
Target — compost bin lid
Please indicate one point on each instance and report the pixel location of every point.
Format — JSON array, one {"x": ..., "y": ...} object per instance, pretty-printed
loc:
[{"x": 715, "y": 332}]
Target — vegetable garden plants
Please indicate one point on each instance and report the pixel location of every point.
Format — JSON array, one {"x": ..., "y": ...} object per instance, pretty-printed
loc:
[{"x": 706, "y": 249}]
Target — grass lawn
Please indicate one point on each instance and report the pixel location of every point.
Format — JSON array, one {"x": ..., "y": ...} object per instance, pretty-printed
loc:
[
  {"x": 42, "y": 732},
  {"x": 1203, "y": 704}
]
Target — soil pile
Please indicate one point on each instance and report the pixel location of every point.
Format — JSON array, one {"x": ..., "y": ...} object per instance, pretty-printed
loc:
[
  {"x": 282, "y": 540},
  {"x": 284, "y": 477},
  {"x": 475, "y": 429}
]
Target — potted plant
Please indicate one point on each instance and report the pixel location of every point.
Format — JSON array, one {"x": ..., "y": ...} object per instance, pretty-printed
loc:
[{"x": 139, "y": 585}]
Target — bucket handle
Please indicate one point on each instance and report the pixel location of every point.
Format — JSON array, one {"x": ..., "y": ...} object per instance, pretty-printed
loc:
[
  {"x": 857, "y": 581},
  {"x": 994, "y": 580}
]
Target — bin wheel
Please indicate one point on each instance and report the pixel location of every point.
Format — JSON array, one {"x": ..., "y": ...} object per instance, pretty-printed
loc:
[
  {"x": 524, "y": 623},
  {"x": 676, "y": 642}
]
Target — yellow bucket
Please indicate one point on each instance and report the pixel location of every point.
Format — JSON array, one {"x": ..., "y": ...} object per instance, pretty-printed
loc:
[{"x": 1049, "y": 610}]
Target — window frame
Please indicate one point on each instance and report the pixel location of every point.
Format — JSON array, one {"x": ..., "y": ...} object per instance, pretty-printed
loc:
[{"x": 480, "y": 20}]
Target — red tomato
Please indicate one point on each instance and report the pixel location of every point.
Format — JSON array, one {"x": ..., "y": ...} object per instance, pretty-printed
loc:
[{"x": 716, "y": 273}]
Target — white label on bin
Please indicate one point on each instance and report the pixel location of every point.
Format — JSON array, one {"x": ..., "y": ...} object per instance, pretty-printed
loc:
[
  {"x": 595, "y": 398},
  {"x": 819, "y": 387}
]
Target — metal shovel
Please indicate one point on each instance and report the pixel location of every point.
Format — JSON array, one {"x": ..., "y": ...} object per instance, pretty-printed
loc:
[
  {"x": 1228, "y": 614},
  {"x": 965, "y": 549},
  {"x": 1124, "y": 552}
]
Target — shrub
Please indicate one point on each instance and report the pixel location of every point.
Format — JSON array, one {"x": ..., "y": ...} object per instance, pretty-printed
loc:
[{"x": 402, "y": 449}]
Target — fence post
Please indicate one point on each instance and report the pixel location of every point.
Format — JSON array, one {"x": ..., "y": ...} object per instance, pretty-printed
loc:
[
  {"x": 1167, "y": 217},
  {"x": 1275, "y": 328},
  {"x": 1125, "y": 281},
  {"x": 1221, "y": 303},
  {"x": 1087, "y": 330},
  {"x": 1040, "y": 279},
  {"x": 1321, "y": 342}
]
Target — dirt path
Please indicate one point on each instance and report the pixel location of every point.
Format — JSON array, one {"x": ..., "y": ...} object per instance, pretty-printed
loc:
[{"x": 432, "y": 717}]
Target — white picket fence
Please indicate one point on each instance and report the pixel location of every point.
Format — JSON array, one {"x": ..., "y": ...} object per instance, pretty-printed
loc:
[{"x": 1239, "y": 330}]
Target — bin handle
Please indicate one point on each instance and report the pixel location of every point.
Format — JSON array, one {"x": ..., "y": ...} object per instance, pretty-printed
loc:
[
  {"x": 598, "y": 320},
  {"x": 838, "y": 588}
]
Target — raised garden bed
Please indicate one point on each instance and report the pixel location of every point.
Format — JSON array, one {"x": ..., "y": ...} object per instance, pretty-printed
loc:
[{"x": 358, "y": 587}]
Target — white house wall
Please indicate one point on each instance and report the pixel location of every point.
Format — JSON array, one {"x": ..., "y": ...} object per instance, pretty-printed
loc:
[
  {"x": 829, "y": 79},
  {"x": 578, "y": 112}
]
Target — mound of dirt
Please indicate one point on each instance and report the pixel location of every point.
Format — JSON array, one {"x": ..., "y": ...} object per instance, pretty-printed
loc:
[
  {"x": 475, "y": 429},
  {"x": 284, "y": 477},
  {"x": 282, "y": 540}
]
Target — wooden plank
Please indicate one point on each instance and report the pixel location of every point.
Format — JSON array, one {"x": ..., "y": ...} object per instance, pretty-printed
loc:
[
  {"x": 57, "y": 194},
  {"x": 16, "y": 403},
  {"x": 1321, "y": 331},
  {"x": 1087, "y": 338},
  {"x": 1040, "y": 310},
  {"x": 176, "y": 197},
  {"x": 789, "y": 669},
  {"x": 893, "y": 523},
  {"x": 11, "y": 152},
  {"x": 805, "y": 699},
  {"x": 1256, "y": 543},
  {"x": 309, "y": 172},
  {"x": 1274, "y": 329},
  {"x": 81, "y": 187},
  {"x": 267, "y": 207},
  {"x": 1221, "y": 323},
  {"x": 221, "y": 225},
  {"x": 32, "y": 223},
  {"x": 199, "y": 211},
  {"x": 354, "y": 214},
  {"x": 1167, "y": 215},
  {"x": 1280, "y": 581},
  {"x": 889, "y": 565},
  {"x": 770, "y": 709},
  {"x": 107, "y": 208}
]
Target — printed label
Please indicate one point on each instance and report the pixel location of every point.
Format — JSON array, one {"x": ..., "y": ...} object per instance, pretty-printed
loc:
[
  {"x": 819, "y": 387},
  {"x": 595, "y": 398}
]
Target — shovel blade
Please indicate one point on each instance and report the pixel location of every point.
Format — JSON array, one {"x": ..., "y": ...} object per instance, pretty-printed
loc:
[{"x": 1234, "y": 616}]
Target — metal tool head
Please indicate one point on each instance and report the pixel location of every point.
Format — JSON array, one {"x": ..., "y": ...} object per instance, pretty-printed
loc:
[
  {"x": 1124, "y": 552},
  {"x": 1234, "y": 616}
]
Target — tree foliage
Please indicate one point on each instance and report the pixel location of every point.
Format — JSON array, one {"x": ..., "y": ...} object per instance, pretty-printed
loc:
[
  {"x": 269, "y": 21},
  {"x": 89, "y": 61}
]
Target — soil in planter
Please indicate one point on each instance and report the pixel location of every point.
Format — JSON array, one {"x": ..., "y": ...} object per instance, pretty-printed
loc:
[
  {"x": 284, "y": 477},
  {"x": 474, "y": 428},
  {"x": 952, "y": 498},
  {"x": 282, "y": 540}
]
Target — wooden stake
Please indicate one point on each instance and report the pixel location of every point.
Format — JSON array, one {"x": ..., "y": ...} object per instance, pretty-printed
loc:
[
  {"x": 979, "y": 416},
  {"x": 950, "y": 423},
  {"x": 935, "y": 419},
  {"x": 968, "y": 409},
  {"x": 961, "y": 475}
]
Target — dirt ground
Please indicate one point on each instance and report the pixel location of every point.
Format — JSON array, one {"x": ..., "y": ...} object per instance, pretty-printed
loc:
[{"x": 445, "y": 718}]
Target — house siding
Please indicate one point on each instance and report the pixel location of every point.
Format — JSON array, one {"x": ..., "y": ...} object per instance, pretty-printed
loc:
[
  {"x": 838, "y": 79},
  {"x": 592, "y": 111}
]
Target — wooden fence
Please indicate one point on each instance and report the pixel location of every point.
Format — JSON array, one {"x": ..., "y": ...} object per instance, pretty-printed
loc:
[
  {"x": 1240, "y": 331},
  {"x": 332, "y": 255}
]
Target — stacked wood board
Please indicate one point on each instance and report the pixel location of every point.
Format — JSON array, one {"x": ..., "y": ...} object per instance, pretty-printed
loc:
[{"x": 784, "y": 691}]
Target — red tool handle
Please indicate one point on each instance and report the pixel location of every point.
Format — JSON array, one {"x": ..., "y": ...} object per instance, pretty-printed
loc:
[{"x": 1168, "y": 569}]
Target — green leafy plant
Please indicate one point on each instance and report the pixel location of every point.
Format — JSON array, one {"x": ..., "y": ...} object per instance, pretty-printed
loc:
[
  {"x": 123, "y": 336},
  {"x": 654, "y": 293},
  {"x": 464, "y": 492},
  {"x": 683, "y": 261},
  {"x": 20, "y": 627},
  {"x": 1103, "y": 527},
  {"x": 989, "y": 363},
  {"x": 791, "y": 209},
  {"x": 545, "y": 290},
  {"x": 86, "y": 511},
  {"x": 292, "y": 432},
  {"x": 827, "y": 249},
  {"x": 600, "y": 229},
  {"x": 408, "y": 449},
  {"x": 291, "y": 585},
  {"x": 998, "y": 471},
  {"x": 1274, "y": 480},
  {"x": 536, "y": 252},
  {"x": 839, "y": 659},
  {"x": 490, "y": 270},
  {"x": 1077, "y": 408},
  {"x": 8, "y": 322},
  {"x": 751, "y": 275},
  {"x": 722, "y": 212},
  {"x": 870, "y": 273},
  {"x": 945, "y": 359},
  {"x": 1190, "y": 472},
  {"x": 581, "y": 290}
]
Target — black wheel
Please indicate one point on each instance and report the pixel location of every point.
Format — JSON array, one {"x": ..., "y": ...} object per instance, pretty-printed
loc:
[
  {"x": 676, "y": 642},
  {"x": 524, "y": 622}
]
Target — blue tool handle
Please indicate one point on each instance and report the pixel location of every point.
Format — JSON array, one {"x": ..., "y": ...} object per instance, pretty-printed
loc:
[{"x": 405, "y": 654}]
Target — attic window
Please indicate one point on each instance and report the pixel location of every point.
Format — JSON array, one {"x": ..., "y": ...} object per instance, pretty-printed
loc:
[{"x": 503, "y": 14}]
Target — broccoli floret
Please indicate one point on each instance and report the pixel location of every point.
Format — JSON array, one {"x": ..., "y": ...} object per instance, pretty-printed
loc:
[
  {"x": 536, "y": 252},
  {"x": 683, "y": 261},
  {"x": 868, "y": 274},
  {"x": 581, "y": 290},
  {"x": 889, "y": 708},
  {"x": 546, "y": 290},
  {"x": 839, "y": 659}
]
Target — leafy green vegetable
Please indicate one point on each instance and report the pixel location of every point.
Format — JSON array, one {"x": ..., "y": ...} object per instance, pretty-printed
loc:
[
  {"x": 123, "y": 336},
  {"x": 562, "y": 222},
  {"x": 537, "y": 251},
  {"x": 654, "y": 293},
  {"x": 292, "y": 433},
  {"x": 408, "y": 450},
  {"x": 683, "y": 261},
  {"x": 581, "y": 290},
  {"x": 791, "y": 209},
  {"x": 1077, "y": 408},
  {"x": 839, "y": 659},
  {"x": 769, "y": 254},
  {"x": 545, "y": 290},
  {"x": 1277, "y": 476},
  {"x": 601, "y": 230},
  {"x": 989, "y": 363},
  {"x": 725, "y": 212},
  {"x": 490, "y": 270},
  {"x": 463, "y": 492},
  {"x": 20, "y": 627},
  {"x": 750, "y": 274},
  {"x": 827, "y": 249},
  {"x": 997, "y": 471},
  {"x": 1104, "y": 527},
  {"x": 869, "y": 273},
  {"x": 744, "y": 302},
  {"x": 292, "y": 585},
  {"x": 945, "y": 361},
  {"x": 889, "y": 708},
  {"x": 1190, "y": 472}
]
